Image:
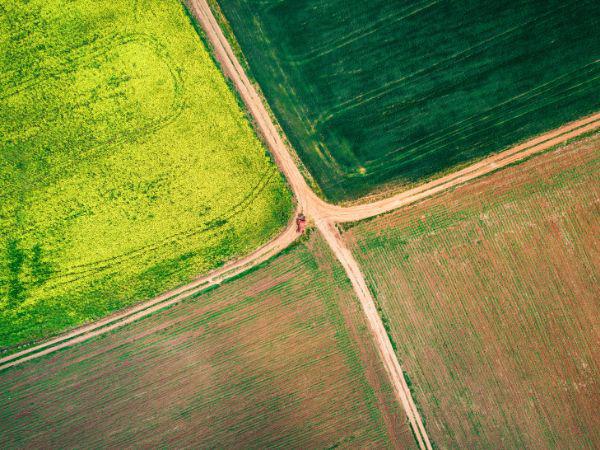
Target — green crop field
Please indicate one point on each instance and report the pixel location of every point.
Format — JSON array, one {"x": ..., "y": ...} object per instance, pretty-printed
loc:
[
  {"x": 126, "y": 163},
  {"x": 279, "y": 358},
  {"x": 376, "y": 92},
  {"x": 490, "y": 293}
]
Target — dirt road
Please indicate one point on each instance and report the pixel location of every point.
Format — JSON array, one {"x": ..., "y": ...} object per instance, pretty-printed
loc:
[
  {"x": 325, "y": 217},
  {"x": 383, "y": 343},
  {"x": 314, "y": 208},
  {"x": 483, "y": 167}
]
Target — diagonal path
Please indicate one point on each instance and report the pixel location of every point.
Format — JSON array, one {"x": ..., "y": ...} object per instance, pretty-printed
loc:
[
  {"x": 129, "y": 315},
  {"x": 382, "y": 340},
  {"x": 324, "y": 215},
  {"x": 476, "y": 170}
]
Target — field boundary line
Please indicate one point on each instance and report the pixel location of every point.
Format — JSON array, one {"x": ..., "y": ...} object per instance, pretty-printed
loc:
[
  {"x": 490, "y": 164},
  {"x": 314, "y": 207},
  {"x": 378, "y": 331}
]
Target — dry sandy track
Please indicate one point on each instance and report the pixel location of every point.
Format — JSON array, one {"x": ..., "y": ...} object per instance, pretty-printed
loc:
[
  {"x": 326, "y": 215},
  {"x": 483, "y": 167},
  {"x": 323, "y": 214}
]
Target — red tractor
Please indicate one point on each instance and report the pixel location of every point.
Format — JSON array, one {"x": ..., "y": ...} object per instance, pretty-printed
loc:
[{"x": 300, "y": 223}]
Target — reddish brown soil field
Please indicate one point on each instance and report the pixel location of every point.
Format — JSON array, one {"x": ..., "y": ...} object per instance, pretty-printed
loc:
[
  {"x": 278, "y": 358},
  {"x": 490, "y": 293}
]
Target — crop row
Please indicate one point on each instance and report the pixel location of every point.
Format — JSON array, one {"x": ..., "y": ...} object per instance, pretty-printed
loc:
[{"x": 378, "y": 92}]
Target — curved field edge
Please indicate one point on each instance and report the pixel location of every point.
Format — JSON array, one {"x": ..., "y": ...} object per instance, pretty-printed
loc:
[
  {"x": 489, "y": 292},
  {"x": 502, "y": 77},
  {"x": 279, "y": 357},
  {"x": 230, "y": 271},
  {"x": 151, "y": 176}
]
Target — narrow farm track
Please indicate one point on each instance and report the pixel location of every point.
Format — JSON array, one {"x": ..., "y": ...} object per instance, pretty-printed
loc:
[
  {"x": 324, "y": 215},
  {"x": 483, "y": 167}
]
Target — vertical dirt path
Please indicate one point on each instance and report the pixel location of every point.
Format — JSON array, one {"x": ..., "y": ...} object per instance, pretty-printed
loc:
[
  {"x": 325, "y": 215},
  {"x": 313, "y": 207},
  {"x": 383, "y": 343}
]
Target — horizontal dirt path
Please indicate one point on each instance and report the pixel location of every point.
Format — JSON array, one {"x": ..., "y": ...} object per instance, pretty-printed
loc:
[{"x": 324, "y": 215}]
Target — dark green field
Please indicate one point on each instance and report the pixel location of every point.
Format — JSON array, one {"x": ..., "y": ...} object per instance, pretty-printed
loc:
[{"x": 381, "y": 91}]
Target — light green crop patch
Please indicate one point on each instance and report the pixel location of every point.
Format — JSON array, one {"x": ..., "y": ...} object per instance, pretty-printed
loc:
[{"x": 126, "y": 164}]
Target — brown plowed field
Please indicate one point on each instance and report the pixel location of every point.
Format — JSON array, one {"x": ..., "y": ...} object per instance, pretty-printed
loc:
[
  {"x": 490, "y": 293},
  {"x": 280, "y": 357}
]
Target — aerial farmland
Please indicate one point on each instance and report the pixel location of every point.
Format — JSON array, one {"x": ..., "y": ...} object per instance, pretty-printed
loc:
[
  {"x": 127, "y": 166},
  {"x": 280, "y": 357},
  {"x": 299, "y": 224},
  {"x": 490, "y": 293}
]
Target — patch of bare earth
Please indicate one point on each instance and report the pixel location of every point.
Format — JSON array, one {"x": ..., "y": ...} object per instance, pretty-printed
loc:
[
  {"x": 491, "y": 291},
  {"x": 278, "y": 358}
]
